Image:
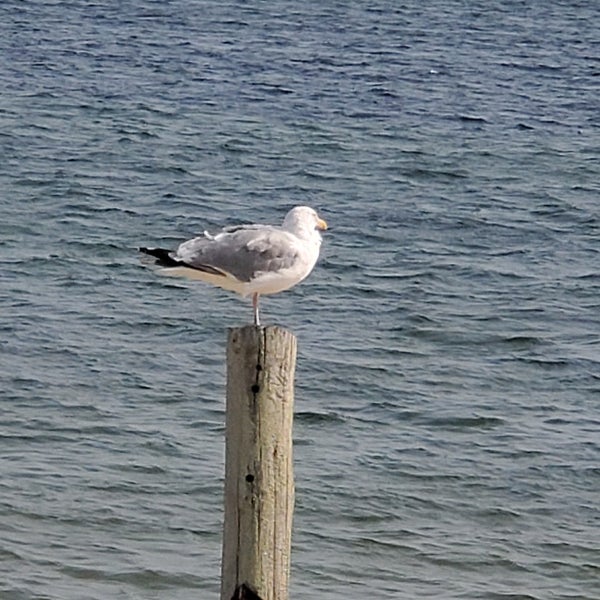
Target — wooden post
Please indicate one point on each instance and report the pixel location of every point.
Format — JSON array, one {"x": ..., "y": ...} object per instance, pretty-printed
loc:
[{"x": 259, "y": 482}]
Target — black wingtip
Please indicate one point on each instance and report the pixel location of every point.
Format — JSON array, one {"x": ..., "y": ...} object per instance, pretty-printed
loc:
[{"x": 162, "y": 256}]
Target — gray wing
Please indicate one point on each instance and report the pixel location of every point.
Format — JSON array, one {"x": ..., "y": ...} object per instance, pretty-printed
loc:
[{"x": 243, "y": 251}]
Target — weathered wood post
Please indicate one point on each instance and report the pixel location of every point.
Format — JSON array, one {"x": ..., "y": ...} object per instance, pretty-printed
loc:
[{"x": 259, "y": 482}]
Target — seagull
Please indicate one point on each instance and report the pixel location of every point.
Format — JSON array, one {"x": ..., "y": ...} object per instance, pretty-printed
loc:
[{"x": 252, "y": 260}]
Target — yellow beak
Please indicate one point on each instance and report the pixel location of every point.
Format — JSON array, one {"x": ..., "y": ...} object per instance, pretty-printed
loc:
[{"x": 321, "y": 224}]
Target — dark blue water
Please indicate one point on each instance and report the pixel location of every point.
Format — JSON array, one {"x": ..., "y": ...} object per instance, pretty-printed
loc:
[{"x": 447, "y": 432}]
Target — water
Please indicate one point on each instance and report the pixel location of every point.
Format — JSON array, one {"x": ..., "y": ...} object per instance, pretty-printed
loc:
[{"x": 447, "y": 404}]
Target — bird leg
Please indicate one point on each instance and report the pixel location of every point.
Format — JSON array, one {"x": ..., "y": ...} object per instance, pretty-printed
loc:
[{"x": 255, "y": 306}]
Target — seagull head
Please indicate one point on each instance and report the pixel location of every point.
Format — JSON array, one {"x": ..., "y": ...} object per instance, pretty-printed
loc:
[{"x": 303, "y": 221}]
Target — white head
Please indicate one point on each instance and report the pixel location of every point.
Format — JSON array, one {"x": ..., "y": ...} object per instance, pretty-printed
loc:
[{"x": 304, "y": 222}]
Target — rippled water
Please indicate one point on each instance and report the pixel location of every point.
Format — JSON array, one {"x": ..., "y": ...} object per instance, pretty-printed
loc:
[{"x": 447, "y": 405}]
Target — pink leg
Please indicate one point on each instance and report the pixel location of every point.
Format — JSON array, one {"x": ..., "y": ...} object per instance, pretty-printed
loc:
[{"x": 255, "y": 306}]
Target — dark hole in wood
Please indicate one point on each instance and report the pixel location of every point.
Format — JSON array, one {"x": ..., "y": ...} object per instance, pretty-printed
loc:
[
  {"x": 255, "y": 388},
  {"x": 249, "y": 478},
  {"x": 245, "y": 592}
]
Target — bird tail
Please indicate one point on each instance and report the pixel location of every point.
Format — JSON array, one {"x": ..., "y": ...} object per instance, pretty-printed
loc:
[{"x": 162, "y": 257}]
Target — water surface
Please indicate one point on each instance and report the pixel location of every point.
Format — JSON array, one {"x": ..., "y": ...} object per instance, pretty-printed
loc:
[{"x": 447, "y": 401}]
